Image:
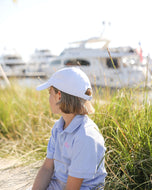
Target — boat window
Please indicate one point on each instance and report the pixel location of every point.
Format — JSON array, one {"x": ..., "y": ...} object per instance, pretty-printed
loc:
[
  {"x": 48, "y": 56},
  {"x": 55, "y": 62},
  {"x": 44, "y": 51},
  {"x": 76, "y": 62},
  {"x": 114, "y": 64},
  {"x": 11, "y": 57}
]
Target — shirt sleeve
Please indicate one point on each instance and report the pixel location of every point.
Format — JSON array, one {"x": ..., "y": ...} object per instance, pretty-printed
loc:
[
  {"x": 51, "y": 145},
  {"x": 85, "y": 157}
]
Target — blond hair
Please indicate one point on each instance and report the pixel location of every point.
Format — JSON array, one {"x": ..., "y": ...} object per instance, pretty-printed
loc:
[{"x": 73, "y": 104}]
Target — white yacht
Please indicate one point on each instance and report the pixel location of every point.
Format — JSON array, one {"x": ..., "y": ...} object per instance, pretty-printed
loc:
[
  {"x": 12, "y": 63},
  {"x": 119, "y": 68},
  {"x": 39, "y": 60}
]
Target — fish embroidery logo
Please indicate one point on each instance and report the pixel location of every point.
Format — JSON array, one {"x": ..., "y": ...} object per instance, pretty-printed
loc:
[{"x": 66, "y": 145}]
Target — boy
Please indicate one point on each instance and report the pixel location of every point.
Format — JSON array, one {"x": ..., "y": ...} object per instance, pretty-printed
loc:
[{"x": 75, "y": 152}]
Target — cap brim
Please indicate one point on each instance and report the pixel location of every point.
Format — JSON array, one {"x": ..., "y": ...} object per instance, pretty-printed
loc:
[{"x": 43, "y": 86}]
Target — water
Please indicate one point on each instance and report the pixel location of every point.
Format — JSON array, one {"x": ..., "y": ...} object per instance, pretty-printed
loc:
[
  {"x": 24, "y": 82},
  {"x": 34, "y": 82}
]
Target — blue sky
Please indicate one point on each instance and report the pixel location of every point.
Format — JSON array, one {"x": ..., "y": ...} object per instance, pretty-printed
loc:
[{"x": 29, "y": 24}]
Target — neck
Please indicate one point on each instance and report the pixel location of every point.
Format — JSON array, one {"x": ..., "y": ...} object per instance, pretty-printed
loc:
[{"x": 67, "y": 119}]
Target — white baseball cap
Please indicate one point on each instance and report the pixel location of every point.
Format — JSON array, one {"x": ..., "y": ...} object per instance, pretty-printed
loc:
[{"x": 70, "y": 80}]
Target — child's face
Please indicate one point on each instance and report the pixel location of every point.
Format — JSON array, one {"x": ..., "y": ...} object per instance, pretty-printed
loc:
[{"x": 53, "y": 99}]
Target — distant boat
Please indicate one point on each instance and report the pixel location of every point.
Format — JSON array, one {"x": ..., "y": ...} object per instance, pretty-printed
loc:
[
  {"x": 12, "y": 62},
  {"x": 39, "y": 60}
]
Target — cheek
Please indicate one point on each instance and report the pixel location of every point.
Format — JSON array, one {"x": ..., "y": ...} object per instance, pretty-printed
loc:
[
  {"x": 53, "y": 106},
  {"x": 50, "y": 100}
]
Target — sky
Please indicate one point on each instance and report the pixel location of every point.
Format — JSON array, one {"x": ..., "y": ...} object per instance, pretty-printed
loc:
[{"x": 26, "y": 25}]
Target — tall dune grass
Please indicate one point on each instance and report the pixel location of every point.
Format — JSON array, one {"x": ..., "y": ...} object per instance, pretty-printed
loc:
[
  {"x": 25, "y": 122},
  {"x": 126, "y": 124},
  {"x": 125, "y": 120}
]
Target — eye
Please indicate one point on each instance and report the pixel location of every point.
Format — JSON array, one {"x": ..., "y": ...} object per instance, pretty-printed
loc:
[{"x": 49, "y": 90}]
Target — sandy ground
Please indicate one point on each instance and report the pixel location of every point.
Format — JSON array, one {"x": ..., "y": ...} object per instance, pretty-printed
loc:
[{"x": 14, "y": 176}]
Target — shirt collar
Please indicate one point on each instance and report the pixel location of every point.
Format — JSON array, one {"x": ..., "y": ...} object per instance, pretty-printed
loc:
[
  {"x": 60, "y": 124},
  {"x": 75, "y": 123}
]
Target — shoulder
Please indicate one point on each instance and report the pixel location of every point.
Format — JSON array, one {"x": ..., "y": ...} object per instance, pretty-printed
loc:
[{"x": 89, "y": 132}]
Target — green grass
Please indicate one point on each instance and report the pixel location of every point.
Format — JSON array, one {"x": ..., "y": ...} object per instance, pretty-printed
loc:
[
  {"x": 125, "y": 120},
  {"x": 126, "y": 124},
  {"x": 25, "y": 122}
]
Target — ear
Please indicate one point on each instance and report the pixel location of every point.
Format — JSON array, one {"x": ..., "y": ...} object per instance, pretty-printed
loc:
[{"x": 59, "y": 95}]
